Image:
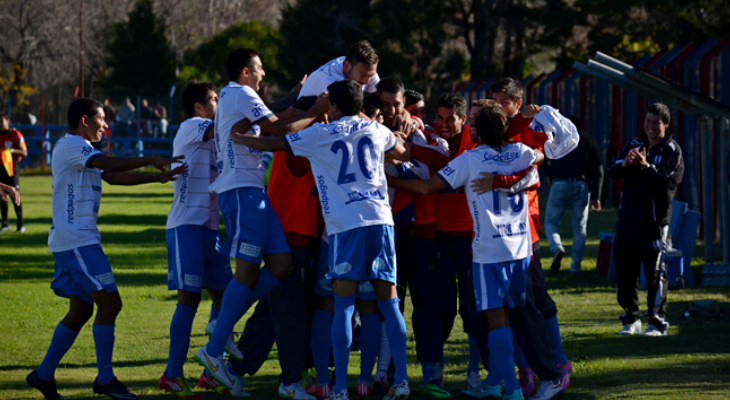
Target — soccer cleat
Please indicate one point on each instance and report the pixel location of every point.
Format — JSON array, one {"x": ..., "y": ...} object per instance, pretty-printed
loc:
[
  {"x": 399, "y": 391},
  {"x": 548, "y": 390},
  {"x": 631, "y": 329},
  {"x": 230, "y": 346},
  {"x": 294, "y": 391},
  {"x": 21, "y": 229},
  {"x": 179, "y": 387},
  {"x": 653, "y": 331},
  {"x": 557, "y": 258},
  {"x": 484, "y": 391},
  {"x": 216, "y": 366},
  {"x": 364, "y": 389},
  {"x": 237, "y": 389},
  {"x": 48, "y": 388},
  {"x": 527, "y": 381},
  {"x": 516, "y": 395},
  {"x": 565, "y": 371},
  {"x": 340, "y": 396},
  {"x": 319, "y": 391},
  {"x": 380, "y": 387},
  {"x": 114, "y": 389},
  {"x": 209, "y": 383},
  {"x": 434, "y": 390}
]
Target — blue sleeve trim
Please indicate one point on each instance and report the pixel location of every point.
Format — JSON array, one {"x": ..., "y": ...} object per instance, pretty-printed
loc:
[{"x": 445, "y": 181}]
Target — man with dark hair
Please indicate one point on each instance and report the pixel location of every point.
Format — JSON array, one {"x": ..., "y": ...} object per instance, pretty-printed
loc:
[
  {"x": 356, "y": 211},
  {"x": 360, "y": 64},
  {"x": 652, "y": 168},
  {"x": 83, "y": 274},
  {"x": 254, "y": 230},
  {"x": 415, "y": 104},
  {"x": 12, "y": 151},
  {"x": 191, "y": 235}
]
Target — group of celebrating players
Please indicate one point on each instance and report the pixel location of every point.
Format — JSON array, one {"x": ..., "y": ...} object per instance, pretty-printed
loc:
[{"x": 364, "y": 201}]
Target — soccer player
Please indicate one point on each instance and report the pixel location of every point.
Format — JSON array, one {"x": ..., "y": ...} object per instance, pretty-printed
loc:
[
  {"x": 82, "y": 271},
  {"x": 501, "y": 244},
  {"x": 359, "y": 64},
  {"x": 253, "y": 228},
  {"x": 12, "y": 151},
  {"x": 347, "y": 161},
  {"x": 192, "y": 234}
]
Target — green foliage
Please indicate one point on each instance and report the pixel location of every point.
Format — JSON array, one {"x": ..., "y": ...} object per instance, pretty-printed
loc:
[
  {"x": 208, "y": 61},
  {"x": 316, "y": 31},
  {"x": 139, "y": 56}
]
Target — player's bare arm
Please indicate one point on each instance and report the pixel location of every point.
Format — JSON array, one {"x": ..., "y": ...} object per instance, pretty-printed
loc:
[
  {"x": 401, "y": 151},
  {"x": 119, "y": 164},
  {"x": 129, "y": 179},
  {"x": 279, "y": 127},
  {"x": 418, "y": 186},
  {"x": 263, "y": 143},
  {"x": 485, "y": 183}
]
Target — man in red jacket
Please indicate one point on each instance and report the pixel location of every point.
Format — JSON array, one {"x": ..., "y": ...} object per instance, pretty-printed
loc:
[{"x": 12, "y": 149}]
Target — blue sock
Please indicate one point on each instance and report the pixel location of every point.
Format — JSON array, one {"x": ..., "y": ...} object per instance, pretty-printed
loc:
[
  {"x": 321, "y": 344},
  {"x": 474, "y": 356},
  {"x": 180, "y": 328},
  {"x": 232, "y": 309},
  {"x": 104, "y": 344},
  {"x": 395, "y": 327},
  {"x": 63, "y": 339},
  {"x": 264, "y": 284},
  {"x": 214, "y": 311},
  {"x": 342, "y": 339},
  {"x": 494, "y": 375},
  {"x": 502, "y": 351},
  {"x": 519, "y": 355},
  {"x": 429, "y": 369},
  {"x": 369, "y": 345},
  {"x": 556, "y": 342}
]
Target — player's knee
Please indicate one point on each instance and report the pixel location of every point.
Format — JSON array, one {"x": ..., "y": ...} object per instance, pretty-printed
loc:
[
  {"x": 189, "y": 299},
  {"x": 282, "y": 270}
]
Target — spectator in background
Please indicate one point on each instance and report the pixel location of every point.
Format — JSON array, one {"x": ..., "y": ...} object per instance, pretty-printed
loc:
[
  {"x": 147, "y": 116},
  {"x": 126, "y": 115},
  {"x": 576, "y": 183},
  {"x": 12, "y": 149},
  {"x": 110, "y": 115},
  {"x": 160, "y": 116}
]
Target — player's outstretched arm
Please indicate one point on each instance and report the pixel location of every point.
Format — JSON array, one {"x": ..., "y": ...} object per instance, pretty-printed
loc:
[
  {"x": 418, "y": 186},
  {"x": 120, "y": 164},
  {"x": 278, "y": 127},
  {"x": 129, "y": 179},
  {"x": 263, "y": 143},
  {"x": 10, "y": 191}
]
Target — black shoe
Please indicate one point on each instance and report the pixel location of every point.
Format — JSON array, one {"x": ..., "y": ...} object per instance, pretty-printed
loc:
[
  {"x": 114, "y": 389},
  {"x": 557, "y": 258},
  {"x": 48, "y": 388}
]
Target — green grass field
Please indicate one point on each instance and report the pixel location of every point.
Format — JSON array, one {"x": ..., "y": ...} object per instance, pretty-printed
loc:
[{"x": 692, "y": 362}]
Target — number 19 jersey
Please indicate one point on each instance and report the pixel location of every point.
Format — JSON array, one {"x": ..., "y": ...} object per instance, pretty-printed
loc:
[
  {"x": 347, "y": 162},
  {"x": 501, "y": 226}
]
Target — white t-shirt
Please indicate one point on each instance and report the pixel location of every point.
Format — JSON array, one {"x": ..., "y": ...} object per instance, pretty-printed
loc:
[
  {"x": 76, "y": 195},
  {"x": 193, "y": 204},
  {"x": 238, "y": 165},
  {"x": 331, "y": 72},
  {"x": 347, "y": 162},
  {"x": 501, "y": 225}
]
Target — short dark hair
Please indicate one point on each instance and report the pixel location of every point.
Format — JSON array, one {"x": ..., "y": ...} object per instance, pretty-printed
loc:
[
  {"x": 346, "y": 95},
  {"x": 238, "y": 60},
  {"x": 362, "y": 52},
  {"x": 81, "y": 107},
  {"x": 413, "y": 97},
  {"x": 391, "y": 84},
  {"x": 660, "y": 110},
  {"x": 454, "y": 102},
  {"x": 370, "y": 103},
  {"x": 196, "y": 92},
  {"x": 511, "y": 86},
  {"x": 491, "y": 124}
]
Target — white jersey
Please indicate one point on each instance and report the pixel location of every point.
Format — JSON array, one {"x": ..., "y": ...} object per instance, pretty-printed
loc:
[
  {"x": 347, "y": 162},
  {"x": 329, "y": 73},
  {"x": 76, "y": 195},
  {"x": 501, "y": 220},
  {"x": 238, "y": 165},
  {"x": 193, "y": 204}
]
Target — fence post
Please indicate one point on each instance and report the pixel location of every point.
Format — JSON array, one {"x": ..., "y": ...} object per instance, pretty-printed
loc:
[{"x": 707, "y": 181}]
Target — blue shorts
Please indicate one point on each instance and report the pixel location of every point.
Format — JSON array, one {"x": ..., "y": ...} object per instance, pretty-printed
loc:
[
  {"x": 81, "y": 271},
  {"x": 363, "y": 254},
  {"x": 193, "y": 262},
  {"x": 500, "y": 284},
  {"x": 323, "y": 282},
  {"x": 252, "y": 225}
]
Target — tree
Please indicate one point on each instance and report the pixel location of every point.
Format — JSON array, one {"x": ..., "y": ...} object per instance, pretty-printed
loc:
[{"x": 139, "y": 57}]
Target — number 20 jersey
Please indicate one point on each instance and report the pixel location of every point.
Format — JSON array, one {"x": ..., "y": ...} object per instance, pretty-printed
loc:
[
  {"x": 347, "y": 162},
  {"x": 501, "y": 225}
]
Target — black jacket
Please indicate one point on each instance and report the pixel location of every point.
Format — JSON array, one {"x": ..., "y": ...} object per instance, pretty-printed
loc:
[{"x": 646, "y": 200}]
